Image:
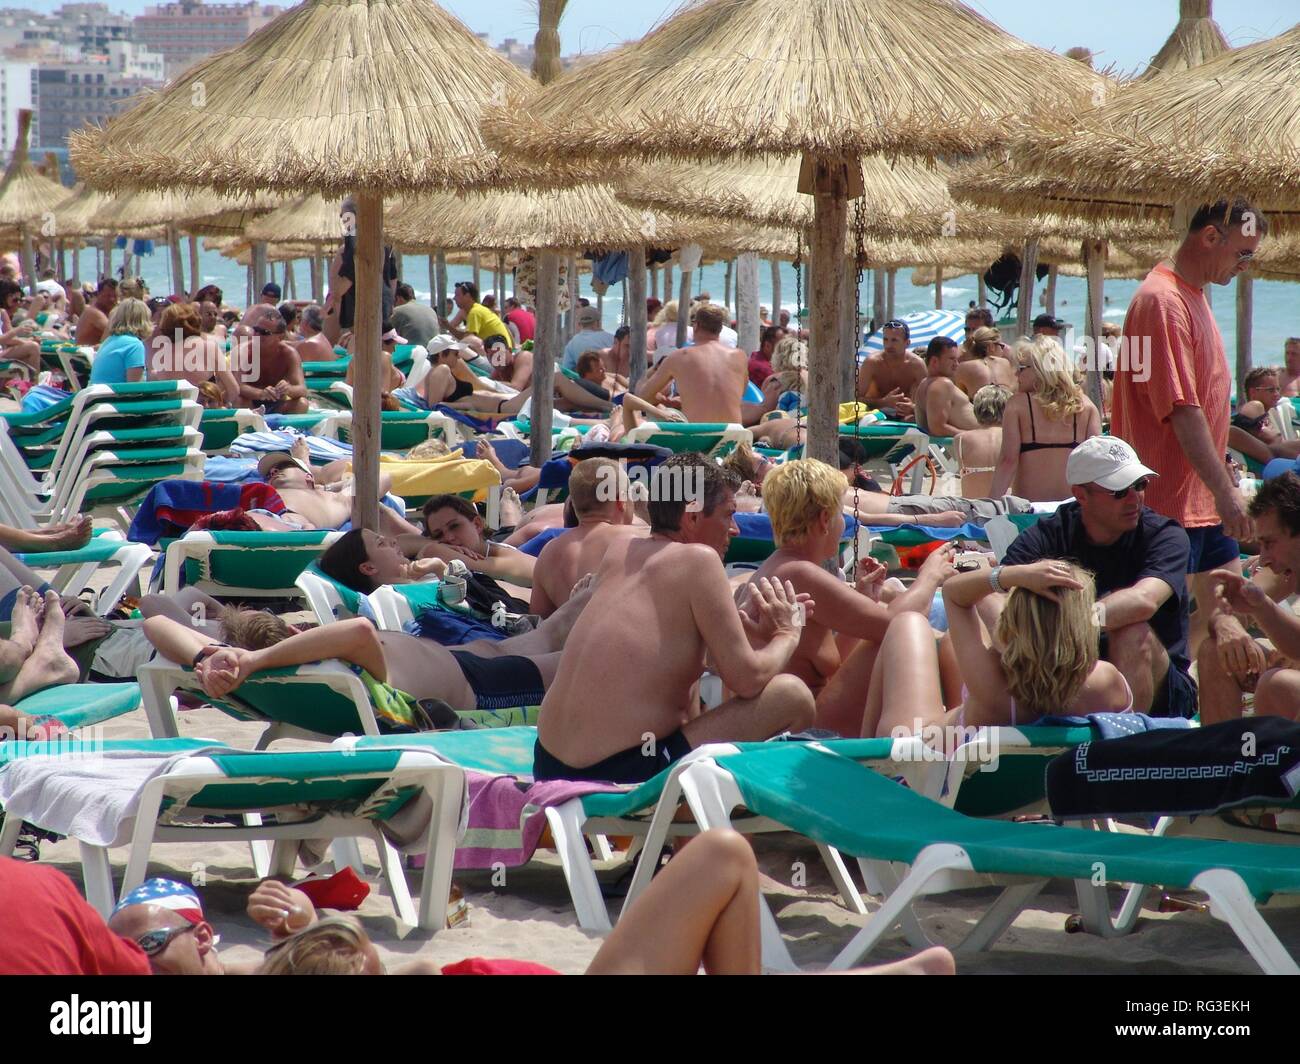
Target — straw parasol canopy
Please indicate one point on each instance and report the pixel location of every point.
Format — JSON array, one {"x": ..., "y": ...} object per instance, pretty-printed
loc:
[
  {"x": 310, "y": 219},
  {"x": 26, "y": 195},
  {"x": 1228, "y": 128},
  {"x": 361, "y": 97},
  {"x": 583, "y": 218},
  {"x": 227, "y": 215},
  {"x": 834, "y": 80},
  {"x": 74, "y": 217},
  {"x": 1196, "y": 39}
]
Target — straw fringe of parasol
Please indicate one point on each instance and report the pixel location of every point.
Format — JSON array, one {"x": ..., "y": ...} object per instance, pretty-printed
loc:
[
  {"x": 307, "y": 219},
  {"x": 333, "y": 95},
  {"x": 583, "y": 218},
  {"x": 829, "y": 77},
  {"x": 27, "y": 197}
]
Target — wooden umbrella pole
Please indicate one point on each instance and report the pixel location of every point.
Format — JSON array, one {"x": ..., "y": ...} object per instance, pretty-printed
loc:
[
  {"x": 313, "y": 263},
  {"x": 684, "y": 307},
  {"x": 259, "y": 268},
  {"x": 890, "y": 283},
  {"x": 196, "y": 282},
  {"x": 1245, "y": 326},
  {"x": 290, "y": 281},
  {"x": 27, "y": 256},
  {"x": 1049, "y": 293},
  {"x": 440, "y": 286},
  {"x": 501, "y": 282},
  {"x": 878, "y": 301},
  {"x": 61, "y": 259},
  {"x": 668, "y": 282},
  {"x": 547, "y": 353},
  {"x": 475, "y": 270},
  {"x": 177, "y": 260},
  {"x": 654, "y": 281},
  {"x": 848, "y": 331},
  {"x": 1028, "y": 275},
  {"x": 636, "y": 313},
  {"x": 76, "y": 262},
  {"x": 728, "y": 277},
  {"x": 747, "y": 324},
  {"x": 1094, "y": 257},
  {"x": 571, "y": 316},
  {"x": 981, "y": 291},
  {"x": 938, "y": 287},
  {"x": 367, "y": 385},
  {"x": 776, "y": 291},
  {"x": 830, "y": 225}
]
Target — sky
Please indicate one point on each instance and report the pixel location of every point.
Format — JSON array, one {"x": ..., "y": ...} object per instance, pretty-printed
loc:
[{"x": 1125, "y": 33}]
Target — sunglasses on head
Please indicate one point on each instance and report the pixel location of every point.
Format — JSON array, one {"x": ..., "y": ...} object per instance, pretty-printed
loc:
[
  {"x": 1139, "y": 485},
  {"x": 155, "y": 941},
  {"x": 895, "y": 324}
]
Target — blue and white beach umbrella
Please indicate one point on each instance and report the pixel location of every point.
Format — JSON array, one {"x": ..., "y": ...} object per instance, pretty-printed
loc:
[{"x": 925, "y": 326}]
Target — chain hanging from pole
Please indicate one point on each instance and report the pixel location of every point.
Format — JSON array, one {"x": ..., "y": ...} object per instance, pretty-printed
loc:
[{"x": 859, "y": 264}]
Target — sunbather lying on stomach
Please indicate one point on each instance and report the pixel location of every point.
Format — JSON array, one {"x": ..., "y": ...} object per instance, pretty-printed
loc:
[
  {"x": 623, "y": 705},
  {"x": 839, "y": 646}
]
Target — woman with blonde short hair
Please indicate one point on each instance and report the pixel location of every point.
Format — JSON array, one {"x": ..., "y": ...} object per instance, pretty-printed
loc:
[
  {"x": 1043, "y": 658},
  {"x": 838, "y": 646},
  {"x": 120, "y": 357},
  {"x": 977, "y": 450},
  {"x": 1043, "y": 423}
]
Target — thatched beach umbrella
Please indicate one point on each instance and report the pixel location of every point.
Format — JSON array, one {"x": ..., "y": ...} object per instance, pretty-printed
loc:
[
  {"x": 1196, "y": 39},
  {"x": 362, "y": 97},
  {"x": 27, "y": 198},
  {"x": 832, "y": 80},
  {"x": 312, "y": 220}
]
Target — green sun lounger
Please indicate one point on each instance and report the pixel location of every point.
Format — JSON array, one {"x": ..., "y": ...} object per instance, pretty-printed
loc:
[
  {"x": 243, "y": 564},
  {"x": 292, "y": 798},
  {"x": 837, "y": 802},
  {"x": 709, "y": 438},
  {"x": 80, "y": 705},
  {"x": 220, "y": 428}
]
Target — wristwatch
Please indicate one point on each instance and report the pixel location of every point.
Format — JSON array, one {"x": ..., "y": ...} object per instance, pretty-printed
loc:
[{"x": 995, "y": 578}]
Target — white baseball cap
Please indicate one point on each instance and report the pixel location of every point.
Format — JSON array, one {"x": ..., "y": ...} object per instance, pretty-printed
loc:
[
  {"x": 1106, "y": 461},
  {"x": 443, "y": 342},
  {"x": 51, "y": 288}
]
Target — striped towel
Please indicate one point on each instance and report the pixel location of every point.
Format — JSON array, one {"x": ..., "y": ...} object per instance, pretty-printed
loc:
[{"x": 321, "y": 448}]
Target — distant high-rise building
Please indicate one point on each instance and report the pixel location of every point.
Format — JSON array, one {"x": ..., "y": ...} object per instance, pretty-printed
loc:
[
  {"x": 18, "y": 91},
  {"x": 188, "y": 30},
  {"x": 71, "y": 95}
]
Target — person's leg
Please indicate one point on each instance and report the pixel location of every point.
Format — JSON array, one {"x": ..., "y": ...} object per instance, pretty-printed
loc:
[
  {"x": 539, "y": 520},
  {"x": 49, "y": 664},
  {"x": 910, "y": 694},
  {"x": 579, "y": 396},
  {"x": 702, "y": 909},
  {"x": 1220, "y": 691},
  {"x": 391, "y": 523},
  {"x": 547, "y": 638},
  {"x": 785, "y": 704},
  {"x": 1137, "y": 652},
  {"x": 24, "y": 627},
  {"x": 66, "y": 535},
  {"x": 1278, "y": 694},
  {"x": 841, "y": 704}
]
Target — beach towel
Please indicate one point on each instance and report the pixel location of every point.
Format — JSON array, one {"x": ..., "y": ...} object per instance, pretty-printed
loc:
[
  {"x": 92, "y": 799},
  {"x": 450, "y": 628},
  {"x": 1116, "y": 725},
  {"x": 320, "y": 448},
  {"x": 1178, "y": 772},
  {"x": 534, "y": 546},
  {"x": 230, "y": 470},
  {"x": 448, "y": 474},
  {"x": 507, "y": 815},
  {"x": 42, "y": 397},
  {"x": 172, "y": 506},
  {"x": 933, "y": 532}
]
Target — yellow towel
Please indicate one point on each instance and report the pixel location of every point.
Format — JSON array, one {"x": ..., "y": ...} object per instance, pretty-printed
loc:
[{"x": 450, "y": 474}]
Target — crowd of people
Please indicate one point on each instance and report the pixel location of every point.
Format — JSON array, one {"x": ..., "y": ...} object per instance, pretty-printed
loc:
[{"x": 1130, "y": 581}]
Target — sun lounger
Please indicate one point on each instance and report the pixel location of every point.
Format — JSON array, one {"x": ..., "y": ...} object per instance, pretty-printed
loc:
[
  {"x": 76, "y": 568},
  {"x": 707, "y": 438},
  {"x": 243, "y": 564},
  {"x": 329, "y": 600},
  {"x": 839, "y": 803},
  {"x": 220, "y": 428},
  {"x": 306, "y": 796}
]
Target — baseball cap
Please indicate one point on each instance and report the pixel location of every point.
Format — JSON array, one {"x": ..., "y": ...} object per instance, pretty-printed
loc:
[
  {"x": 166, "y": 894},
  {"x": 51, "y": 288},
  {"x": 273, "y": 461},
  {"x": 443, "y": 342},
  {"x": 1048, "y": 321},
  {"x": 588, "y": 316},
  {"x": 1106, "y": 461},
  {"x": 392, "y": 335},
  {"x": 271, "y": 289}
]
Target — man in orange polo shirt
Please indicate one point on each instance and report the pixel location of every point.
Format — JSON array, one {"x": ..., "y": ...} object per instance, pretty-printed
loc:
[{"x": 1172, "y": 398}]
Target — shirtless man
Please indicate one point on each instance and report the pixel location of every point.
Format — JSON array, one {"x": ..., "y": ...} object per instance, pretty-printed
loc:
[
  {"x": 623, "y": 707},
  {"x": 1291, "y": 374},
  {"x": 92, "y": 326},
  {"x": 210, "y": 320},
  {"x": 598, "y": 491},
  {"x": 274, "y": 378},
  {"x": 887, "y": 380},
  {"x": 317, "y": 496},
  {"x": 314, "y": 347},
  {"x": 942, "y": 409},
  {"x": 710, "y": 376}
]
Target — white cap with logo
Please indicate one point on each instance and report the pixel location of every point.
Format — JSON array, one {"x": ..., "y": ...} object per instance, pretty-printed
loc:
[{"x": 1106, "y": 461}]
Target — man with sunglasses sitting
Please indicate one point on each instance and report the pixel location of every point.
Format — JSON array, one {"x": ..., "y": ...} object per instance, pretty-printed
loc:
[
  {"x": 1139, "y": 561},
  {"x": 268, "y": 368},
  {"x": 888, "y": 378}
]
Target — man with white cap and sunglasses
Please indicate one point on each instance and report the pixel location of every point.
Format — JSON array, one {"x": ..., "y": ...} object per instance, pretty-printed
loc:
[{"x": 1139, "y": 560}]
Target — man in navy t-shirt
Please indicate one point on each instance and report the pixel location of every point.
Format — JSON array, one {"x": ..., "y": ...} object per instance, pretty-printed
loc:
[{"x": 1139, "y": 561}]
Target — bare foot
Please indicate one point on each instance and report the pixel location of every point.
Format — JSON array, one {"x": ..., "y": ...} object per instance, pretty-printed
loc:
[
  {"x": 934, "y": 961},
  {"x": 70, "y": 535},
  {"x": 49, "y": 664},
  {"x": 512, "y": 508},
  {"x": 24, "y": 621}
]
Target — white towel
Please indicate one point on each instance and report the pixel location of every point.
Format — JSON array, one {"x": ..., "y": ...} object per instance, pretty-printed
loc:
[{"x": 91, "y": 798}]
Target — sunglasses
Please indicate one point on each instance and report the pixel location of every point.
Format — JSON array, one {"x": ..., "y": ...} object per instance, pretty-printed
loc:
[
  {"x": 1139, "y": 485},
  {"x": 154, "y": 942}
]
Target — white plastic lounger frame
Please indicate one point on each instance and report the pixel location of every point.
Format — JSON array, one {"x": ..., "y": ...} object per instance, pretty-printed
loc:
[{"x": 199, "y": 546}]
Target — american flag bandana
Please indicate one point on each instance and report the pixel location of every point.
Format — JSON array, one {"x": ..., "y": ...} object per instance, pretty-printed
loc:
[{"x": 168, "y": 894}]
